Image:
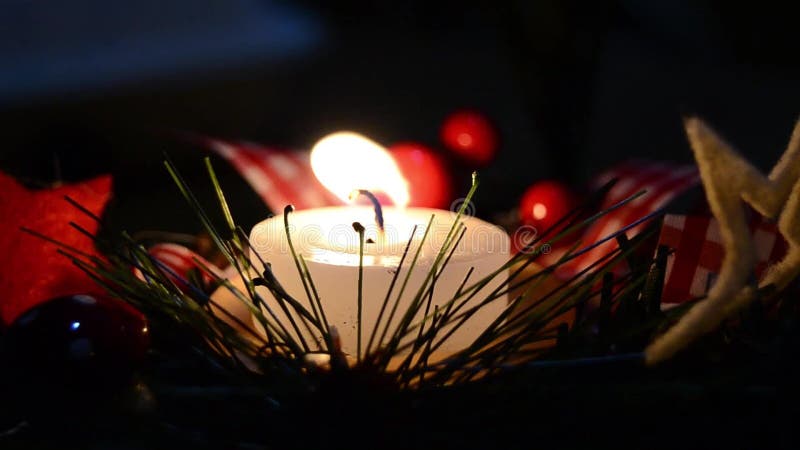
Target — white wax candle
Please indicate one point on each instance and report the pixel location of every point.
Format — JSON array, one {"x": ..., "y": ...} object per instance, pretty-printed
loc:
[{"x": 326, "y": 239}]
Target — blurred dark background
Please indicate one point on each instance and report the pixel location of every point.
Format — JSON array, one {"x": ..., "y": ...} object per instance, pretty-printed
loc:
[{"x": 91, "y": 86}]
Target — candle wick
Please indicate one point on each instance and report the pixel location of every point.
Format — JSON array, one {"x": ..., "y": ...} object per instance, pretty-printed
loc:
[{"x": 375, "y": 204}]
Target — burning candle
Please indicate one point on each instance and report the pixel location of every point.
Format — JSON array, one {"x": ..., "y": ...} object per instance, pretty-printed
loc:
[{"x": 332, "y": 250}]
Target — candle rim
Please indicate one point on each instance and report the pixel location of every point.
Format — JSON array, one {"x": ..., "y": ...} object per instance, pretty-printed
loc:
[{"x": 477, "y": 229}]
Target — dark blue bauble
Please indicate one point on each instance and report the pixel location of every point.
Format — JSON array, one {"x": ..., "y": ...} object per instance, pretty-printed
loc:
[{"x": 71, "y": 352}]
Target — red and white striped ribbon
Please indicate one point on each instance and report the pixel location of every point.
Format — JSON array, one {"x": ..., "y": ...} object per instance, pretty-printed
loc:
[
  {"x": 698, "y": 253},
  {"x": 280, "y": 177},
  {"x": 661, "y": 182},
  {"x": 181, "y": 261}
]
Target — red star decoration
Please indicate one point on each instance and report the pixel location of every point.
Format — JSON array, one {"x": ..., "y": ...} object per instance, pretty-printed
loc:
[{"x": 31, "y": 271}]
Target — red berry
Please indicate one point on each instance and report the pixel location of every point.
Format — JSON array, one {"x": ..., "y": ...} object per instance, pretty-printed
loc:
[
  {"x": 426, "y": 174},
  {"x": 470, "y": 135},
  {"x": 544, "y": 203}
]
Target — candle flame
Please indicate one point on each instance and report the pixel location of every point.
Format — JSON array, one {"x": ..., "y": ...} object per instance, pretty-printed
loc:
[{"x": 347, "y": 161}]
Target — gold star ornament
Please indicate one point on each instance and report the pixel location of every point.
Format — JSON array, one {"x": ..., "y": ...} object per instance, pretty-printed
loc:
[{"x": 729, "y": 180}]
